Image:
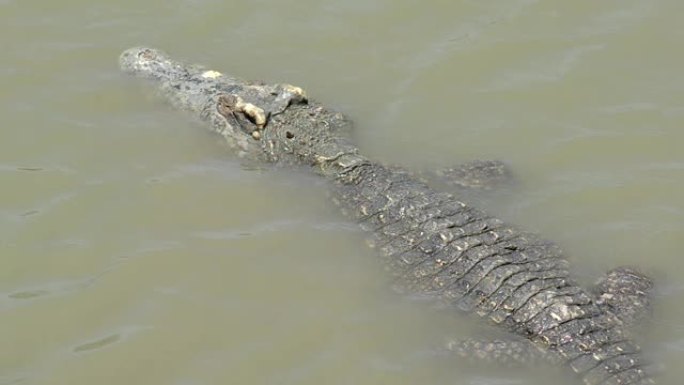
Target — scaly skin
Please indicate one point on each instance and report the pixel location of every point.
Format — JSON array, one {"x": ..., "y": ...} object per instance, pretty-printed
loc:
[{"x": 434, "y": 243}]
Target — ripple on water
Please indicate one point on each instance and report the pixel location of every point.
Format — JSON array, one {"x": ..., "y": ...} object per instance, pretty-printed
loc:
[
  {"x": 102, "y": 342},
  {"x": 46, "y": 290}
]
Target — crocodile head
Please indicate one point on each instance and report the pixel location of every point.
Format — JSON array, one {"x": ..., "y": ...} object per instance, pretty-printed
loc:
[
  {"x": 206, "y": 94},
  {"x": 261, "y": 121}
]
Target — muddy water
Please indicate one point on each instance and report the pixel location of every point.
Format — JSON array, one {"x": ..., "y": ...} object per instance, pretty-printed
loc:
[{"x": 136, "y": 250}]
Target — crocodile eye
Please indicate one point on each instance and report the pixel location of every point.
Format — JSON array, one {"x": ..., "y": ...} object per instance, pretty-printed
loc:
[{"x": 289, "y": 135}]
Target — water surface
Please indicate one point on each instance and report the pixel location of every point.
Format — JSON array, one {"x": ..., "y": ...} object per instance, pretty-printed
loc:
[{"x": 135, "y": 249}]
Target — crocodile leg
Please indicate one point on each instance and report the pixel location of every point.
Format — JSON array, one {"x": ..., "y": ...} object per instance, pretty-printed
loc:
[
  {"x": 473, "y": 175},
  {"x": 627, "y": 293},
  {"x": 501, "y": 352}
]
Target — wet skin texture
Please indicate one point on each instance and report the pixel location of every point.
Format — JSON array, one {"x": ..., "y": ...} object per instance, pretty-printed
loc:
[{"x": 433, "y": 243}]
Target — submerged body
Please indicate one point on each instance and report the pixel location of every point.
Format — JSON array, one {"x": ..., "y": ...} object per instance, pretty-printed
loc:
[{"x": 434, "y": 243}]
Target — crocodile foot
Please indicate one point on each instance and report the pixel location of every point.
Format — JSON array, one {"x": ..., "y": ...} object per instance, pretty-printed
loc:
[
  {"x": 474, "y": 175},
  {"x": 627, "y": 293}
]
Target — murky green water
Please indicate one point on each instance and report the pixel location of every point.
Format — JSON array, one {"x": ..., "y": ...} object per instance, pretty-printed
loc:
[{"x": 134, "y": 250}]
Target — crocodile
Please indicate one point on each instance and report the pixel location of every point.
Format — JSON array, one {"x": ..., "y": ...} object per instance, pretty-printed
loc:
[{"x": 433, "y": 243}]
